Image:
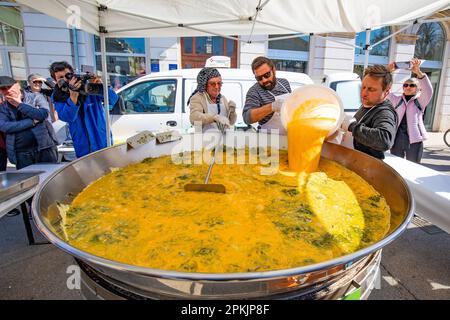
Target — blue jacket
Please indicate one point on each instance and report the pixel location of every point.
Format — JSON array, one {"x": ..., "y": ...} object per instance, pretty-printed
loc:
[
  {"x": 33, "y": 107},
  {"x": 88, "y": 132}
]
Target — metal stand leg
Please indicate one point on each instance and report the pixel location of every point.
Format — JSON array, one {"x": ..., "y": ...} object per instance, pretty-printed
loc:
[
  {"x": 26, "y": 214},
  {"x": 26, "y": 221}
]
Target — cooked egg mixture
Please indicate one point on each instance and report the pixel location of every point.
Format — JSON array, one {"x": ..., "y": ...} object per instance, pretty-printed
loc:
[{"x": 141, "y": 215}]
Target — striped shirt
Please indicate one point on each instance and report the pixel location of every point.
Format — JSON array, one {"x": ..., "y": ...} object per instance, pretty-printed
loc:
[{"x": 257, "y": 96}]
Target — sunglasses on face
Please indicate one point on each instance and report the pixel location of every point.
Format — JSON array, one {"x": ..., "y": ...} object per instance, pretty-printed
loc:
[
  {"x": 265, "y": 76},
  {"x": 37, "y": 82},
  {"x": 412, "y": 85}
]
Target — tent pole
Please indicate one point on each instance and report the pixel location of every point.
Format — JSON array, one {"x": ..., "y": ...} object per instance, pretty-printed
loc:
[
  {"x": 393, "y": 34},
  {"x": 105, "y": 87},
  {"x": 297, "y": 35},
  {"x": 113, "y": 31},
  {"x": 258, "y": 9},
  {"x": 367, "y": 49}
]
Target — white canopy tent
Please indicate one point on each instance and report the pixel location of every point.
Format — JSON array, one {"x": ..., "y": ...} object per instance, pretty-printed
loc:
[
  {"x": 165, "y": 18},
  {"x": 178, "y": 18}
]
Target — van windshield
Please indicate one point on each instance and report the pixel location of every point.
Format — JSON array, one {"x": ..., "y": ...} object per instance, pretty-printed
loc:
[{"x": 349, "y": 92}]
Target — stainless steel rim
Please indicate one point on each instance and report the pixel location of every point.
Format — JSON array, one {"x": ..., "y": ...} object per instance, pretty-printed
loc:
[{"x": 111, "y": 264}]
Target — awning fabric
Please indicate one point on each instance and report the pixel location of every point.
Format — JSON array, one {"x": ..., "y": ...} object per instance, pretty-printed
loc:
[{"x": 164, "y": 18}]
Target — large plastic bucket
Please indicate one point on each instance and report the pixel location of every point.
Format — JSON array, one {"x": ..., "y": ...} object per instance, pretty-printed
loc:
[{"x": 331, "y": 105}]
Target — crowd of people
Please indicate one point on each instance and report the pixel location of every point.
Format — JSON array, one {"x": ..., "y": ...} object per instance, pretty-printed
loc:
[
  {"x": 383, "y": 122},
  {"x": 26, "y": 115}
]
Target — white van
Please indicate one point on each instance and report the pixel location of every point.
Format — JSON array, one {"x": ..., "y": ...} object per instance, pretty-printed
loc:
[
  {"x": 347, "y": 86},
  {"x": 158, "y": 101}
]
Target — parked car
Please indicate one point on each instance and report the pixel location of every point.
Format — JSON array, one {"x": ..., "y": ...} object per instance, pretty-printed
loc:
[{"x": 158, "y": 101}]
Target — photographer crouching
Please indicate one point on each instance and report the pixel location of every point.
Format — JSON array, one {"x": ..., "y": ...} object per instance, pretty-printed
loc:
[{"x": 78, "y": 100}]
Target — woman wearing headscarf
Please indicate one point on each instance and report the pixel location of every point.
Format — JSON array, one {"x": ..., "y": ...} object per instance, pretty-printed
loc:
[
  {"x": 208, "y": 106},
  {"x": 410, "y": 108}
]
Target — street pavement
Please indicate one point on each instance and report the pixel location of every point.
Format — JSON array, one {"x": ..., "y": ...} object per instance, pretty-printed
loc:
[{"x": 414, "y": 266}]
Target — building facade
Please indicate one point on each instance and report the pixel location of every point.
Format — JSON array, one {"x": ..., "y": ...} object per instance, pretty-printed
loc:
[{"x": 30, "y": 41}]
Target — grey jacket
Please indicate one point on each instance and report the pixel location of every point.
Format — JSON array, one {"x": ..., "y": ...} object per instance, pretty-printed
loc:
[
  {"x": 33, "y": 107},
  {"x": 374, "y": 131}
]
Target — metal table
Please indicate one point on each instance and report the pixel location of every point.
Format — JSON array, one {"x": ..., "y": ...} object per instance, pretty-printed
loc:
[{"x": 20, "y": 200}]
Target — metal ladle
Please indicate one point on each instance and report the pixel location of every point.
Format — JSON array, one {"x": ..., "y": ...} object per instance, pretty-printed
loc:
[{"x": 209, "y": 187}]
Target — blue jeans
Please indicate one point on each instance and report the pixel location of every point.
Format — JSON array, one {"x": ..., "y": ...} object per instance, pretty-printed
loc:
[{"x": 27, "y": 158}]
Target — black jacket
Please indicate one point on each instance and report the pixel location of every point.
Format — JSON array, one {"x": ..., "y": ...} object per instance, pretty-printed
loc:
[
  {"x": 374, "y": 129},
  {"x": 32, "y": 108}
]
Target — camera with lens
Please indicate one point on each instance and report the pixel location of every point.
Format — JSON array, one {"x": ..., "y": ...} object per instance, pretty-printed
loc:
[
  {"x": 87, "y": 88},
  {"x": 50, "y": 83}
]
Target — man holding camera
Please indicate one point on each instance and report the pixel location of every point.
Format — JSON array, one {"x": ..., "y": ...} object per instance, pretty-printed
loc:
[
  {"x": 79, "y": 102},
  {"x": 30, "y": 137}
]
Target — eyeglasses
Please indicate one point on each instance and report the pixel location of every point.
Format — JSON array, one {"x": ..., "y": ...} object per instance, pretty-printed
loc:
[
  {"x": 412, "y": 85},
  {"x": 37, "y": 82},
  {"x": 213, "y": 84},
  {"x": 266, "y": 75}
]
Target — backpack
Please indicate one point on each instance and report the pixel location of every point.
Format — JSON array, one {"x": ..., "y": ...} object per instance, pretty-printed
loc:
[{"x": 416, "y": 102}]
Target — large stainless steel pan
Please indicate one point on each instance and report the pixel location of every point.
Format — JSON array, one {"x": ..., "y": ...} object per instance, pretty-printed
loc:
[{"x": 64, "y": 184}]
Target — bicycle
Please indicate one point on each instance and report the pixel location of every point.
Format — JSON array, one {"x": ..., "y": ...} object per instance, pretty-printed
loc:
[{"x": 447, "y": 137}]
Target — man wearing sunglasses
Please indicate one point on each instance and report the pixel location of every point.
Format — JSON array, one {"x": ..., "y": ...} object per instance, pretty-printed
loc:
[
  {"x": 410, "y": 107},
  {"x": 264, "y": 99}
]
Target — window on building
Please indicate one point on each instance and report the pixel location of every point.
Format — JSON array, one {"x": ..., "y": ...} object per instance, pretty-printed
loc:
[
  {"x": 230, "y": 44},
  {"x": 188, "y": 43},
  {"x": 218, "y": 46},
  {"x": 122, "y": 45},
  {"x": 196, "y": 50},
  {"x": 18, "y": 65},
  {"x": 12, "y": 51},
  {"x": 125, "y": 58},
  {"x": 290, "y": 54},
  {"x": 430, "y": 44},
  {"x": 11, "y": 27},
  {"x": 378, "y": 55},
  {"x": 201, "y": 46},
  {"x": 290, "y": 65}
]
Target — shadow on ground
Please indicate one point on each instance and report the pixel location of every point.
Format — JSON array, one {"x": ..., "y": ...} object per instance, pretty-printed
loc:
[{"x": 416, "y": 266}]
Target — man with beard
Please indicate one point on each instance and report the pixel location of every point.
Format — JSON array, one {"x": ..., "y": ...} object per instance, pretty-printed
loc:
[{"x": 264, "y": 99}]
